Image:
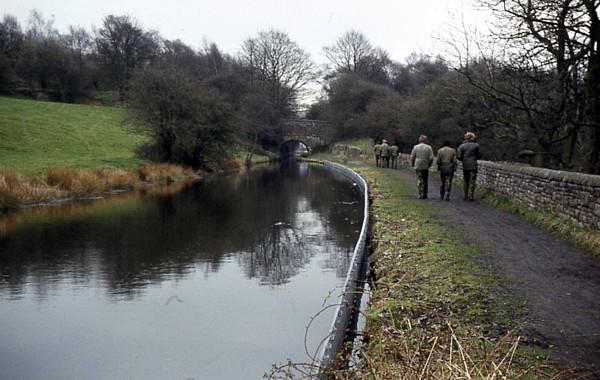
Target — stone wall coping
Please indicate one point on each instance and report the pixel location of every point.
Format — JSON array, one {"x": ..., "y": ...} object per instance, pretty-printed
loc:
[{"x": 550, "y": 174}]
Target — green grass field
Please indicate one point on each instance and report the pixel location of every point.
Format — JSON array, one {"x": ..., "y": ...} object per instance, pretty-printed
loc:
[{"x": 37, "y": 135}]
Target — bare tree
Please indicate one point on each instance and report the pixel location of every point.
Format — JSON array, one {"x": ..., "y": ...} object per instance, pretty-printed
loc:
[
  {"x": 354, "y": 53},
  {"x": 11, "y": 36},
  {"x": 279, "y": 66},
  {"x": 213, "y": 58},
  {"x": 534, "y": 72},
  {"x": 11, "y": 44},
  {"x": 560, "y": 38},
  {"x": 350, "y": 53},
  {"x": 79, "y": 42},
  {"x": 122, "y": 46},
  {"x": 40, "y": 27}
]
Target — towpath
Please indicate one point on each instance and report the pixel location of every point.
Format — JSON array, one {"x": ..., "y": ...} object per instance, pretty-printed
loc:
[{"x": 560, "y": 283}]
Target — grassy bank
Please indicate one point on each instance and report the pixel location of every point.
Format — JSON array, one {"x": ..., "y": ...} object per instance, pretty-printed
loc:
[
  {"x": 435, "y": 311},
  {"x": 52, "y": 151},
  {"x": 36, "y": 136}
]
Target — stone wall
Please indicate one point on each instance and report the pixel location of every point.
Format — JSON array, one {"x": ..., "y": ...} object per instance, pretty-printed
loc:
[{"x": 575, "y": 196}]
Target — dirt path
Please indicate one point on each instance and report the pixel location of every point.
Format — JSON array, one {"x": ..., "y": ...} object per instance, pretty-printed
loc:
[{"x": 561, "y": 285}]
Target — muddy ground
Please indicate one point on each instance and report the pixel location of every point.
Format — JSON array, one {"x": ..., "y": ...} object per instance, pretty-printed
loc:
[{"x": 559, "y": 283}]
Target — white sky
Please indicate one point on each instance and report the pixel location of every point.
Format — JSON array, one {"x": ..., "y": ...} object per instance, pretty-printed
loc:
[{"x": 398, "y": 26}]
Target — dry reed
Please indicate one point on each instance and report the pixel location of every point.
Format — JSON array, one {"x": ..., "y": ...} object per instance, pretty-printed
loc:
[{"x": 17, "y": 189}]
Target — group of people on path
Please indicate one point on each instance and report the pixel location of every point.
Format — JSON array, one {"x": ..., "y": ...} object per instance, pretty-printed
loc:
[
  {"x": 386, "y": 156},
  {"x": 422, "y": 159}
]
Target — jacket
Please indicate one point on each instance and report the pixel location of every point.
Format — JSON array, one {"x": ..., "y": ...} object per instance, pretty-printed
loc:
[
  {"x": 469, "y": 153},
  {"x": 446, "y": 160},
  {"x": 377, "y": 149},
  {"x": 421, "y": 156},
  {"x": 385, "y": 150}
]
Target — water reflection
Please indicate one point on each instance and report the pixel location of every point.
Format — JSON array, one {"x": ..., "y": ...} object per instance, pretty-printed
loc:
[
  {"x": 269, "y": 222},
  {"x": 217, "y": 281}
]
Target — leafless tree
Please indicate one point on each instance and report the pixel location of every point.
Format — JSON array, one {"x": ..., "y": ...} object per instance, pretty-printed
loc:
[
  {"x": 123, "y": 45},
  {"x": 11, "y": 36},
  {"x": 40, "y": 27},
  {"x": 559, "y": 38},
  {"x": 537, "y": 68},
  {"x": 279, "y": 66},
  {"x": 354, "y": 53},
  {"x": 351, "y": 52},
  {"x": 11, "y": 43},
  {"x": 79, "y": 41}
]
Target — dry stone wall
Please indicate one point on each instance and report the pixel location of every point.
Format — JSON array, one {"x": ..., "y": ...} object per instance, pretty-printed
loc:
[{"x": 575, "y": 196}]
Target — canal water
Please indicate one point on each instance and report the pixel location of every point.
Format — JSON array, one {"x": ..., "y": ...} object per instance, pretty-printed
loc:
[{"x": 218, "y": 280}]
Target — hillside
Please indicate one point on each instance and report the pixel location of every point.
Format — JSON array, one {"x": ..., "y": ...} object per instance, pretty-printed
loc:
[{"x": 37, "y": 135}]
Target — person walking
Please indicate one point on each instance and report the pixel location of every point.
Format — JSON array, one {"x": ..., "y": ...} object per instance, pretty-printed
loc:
[
  {"x": 385, "y": 154},
  {"x": 377, "y": 152},
  {"x": 446, "y": 163},
  {"x": 469, "y": 152},
  {"x": 421, "y": 159},
  {"x": 394, "y": 156}
]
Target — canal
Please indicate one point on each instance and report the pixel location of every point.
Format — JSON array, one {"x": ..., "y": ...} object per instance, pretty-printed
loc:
[{"x": 215, "y": 281}]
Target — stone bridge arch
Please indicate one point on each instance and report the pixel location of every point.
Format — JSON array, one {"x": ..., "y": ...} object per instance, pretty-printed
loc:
[{"x": 312, "y": 133}]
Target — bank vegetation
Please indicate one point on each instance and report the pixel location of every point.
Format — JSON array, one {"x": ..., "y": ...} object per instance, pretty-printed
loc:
[{"x": 61, "y": 184}]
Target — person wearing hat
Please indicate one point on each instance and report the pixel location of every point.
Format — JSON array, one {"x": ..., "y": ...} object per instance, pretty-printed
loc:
[
  {"x": 377, "y": 152},
  {"x": 421, "y": 158},
  {"x": 385, "y": 154},
  {"x": 469, "y": 152}
]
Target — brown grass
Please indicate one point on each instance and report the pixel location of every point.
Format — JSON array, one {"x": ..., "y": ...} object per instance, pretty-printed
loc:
[
  {"x": 18, "y": 189},
  {"x": 163, "y": 173}
]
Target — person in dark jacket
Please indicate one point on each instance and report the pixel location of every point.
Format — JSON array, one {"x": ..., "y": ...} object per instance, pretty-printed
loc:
[{"x": 469, "y": 153}]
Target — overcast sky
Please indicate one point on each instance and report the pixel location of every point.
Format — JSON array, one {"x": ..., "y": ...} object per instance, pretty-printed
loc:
[{"x": 398, "y": 26}]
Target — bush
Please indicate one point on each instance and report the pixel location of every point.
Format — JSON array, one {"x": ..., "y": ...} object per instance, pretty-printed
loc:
[{"x": 188, "y": 122}]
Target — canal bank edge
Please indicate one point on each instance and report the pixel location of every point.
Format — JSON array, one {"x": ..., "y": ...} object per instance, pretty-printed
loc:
[{"x": 346, "y": 309}]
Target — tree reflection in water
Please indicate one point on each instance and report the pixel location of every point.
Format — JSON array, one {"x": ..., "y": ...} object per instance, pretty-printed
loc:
[{"x": 271, "y": 221}]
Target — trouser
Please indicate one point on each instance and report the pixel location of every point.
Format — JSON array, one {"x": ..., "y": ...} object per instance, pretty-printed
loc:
[
  {"x": 377, "y": 160},
  {"x": 386, "y": 161},
  {"x": 446, "y": 184},
  {"x": 470, "y": 179},
  {"x": 394, "y": 162},
  {"x": 422, "y": 183}
]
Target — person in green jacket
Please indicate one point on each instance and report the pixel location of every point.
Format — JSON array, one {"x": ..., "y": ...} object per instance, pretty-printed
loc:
[
  {"x": 377, "y": 152},
  {"x": 421, "y": 158},
  {"x": 446, "y": 163},
  {"x": 394, "y": 156},
  {"x": 385, "y": 154}
]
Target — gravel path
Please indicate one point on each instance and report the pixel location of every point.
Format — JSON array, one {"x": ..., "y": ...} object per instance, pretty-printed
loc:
[{"x": 561, "y": 285}]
